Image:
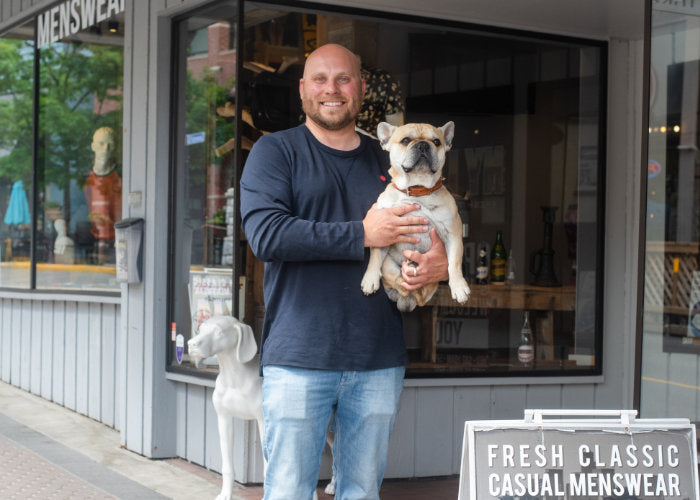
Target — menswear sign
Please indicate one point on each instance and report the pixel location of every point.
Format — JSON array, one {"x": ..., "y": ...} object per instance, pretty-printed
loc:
[
  {"x": 72, "y": 16},
  {"x": 579, "y": 459}
]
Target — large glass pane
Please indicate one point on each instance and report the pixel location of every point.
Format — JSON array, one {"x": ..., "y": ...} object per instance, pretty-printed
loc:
[
  {"x": 671, "y": 328},
  {"x": 80, "y": 158},
  {"x": 16, "y": 154},
  {"x": 526, "y": 163},
  {"x": 205, "y": 145}
]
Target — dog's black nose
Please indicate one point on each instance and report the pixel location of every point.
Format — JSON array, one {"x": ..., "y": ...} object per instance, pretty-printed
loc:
[{"x": 423, "y": 146}]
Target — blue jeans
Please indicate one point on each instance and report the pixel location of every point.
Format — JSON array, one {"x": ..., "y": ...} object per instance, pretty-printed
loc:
[{"x": 298, "y": 403}]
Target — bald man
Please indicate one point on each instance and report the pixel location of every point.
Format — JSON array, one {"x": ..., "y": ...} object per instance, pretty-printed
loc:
[{"x": 307, "y": 198}]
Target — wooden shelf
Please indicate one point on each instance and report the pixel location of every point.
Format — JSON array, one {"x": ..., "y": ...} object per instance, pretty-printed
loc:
[
  {"x": 545, "y": 300},
  {"x": 525, "y": 297}
]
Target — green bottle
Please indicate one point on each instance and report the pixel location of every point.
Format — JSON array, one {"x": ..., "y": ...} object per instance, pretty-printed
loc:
[{"x": 498, "y": 261}]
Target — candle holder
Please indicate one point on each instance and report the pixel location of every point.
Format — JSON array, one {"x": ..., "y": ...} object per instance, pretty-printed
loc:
[{"x": 542, "y": 261}]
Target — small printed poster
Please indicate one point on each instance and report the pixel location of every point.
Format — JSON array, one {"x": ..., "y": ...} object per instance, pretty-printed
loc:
[{"x": 211, "y": 294}]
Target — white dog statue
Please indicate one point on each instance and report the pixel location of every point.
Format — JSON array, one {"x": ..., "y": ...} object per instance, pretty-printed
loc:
[{"x": 238, "y": 388}]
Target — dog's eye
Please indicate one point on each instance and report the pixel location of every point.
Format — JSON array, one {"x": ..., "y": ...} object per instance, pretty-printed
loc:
[
  {"x": 437, "y": 142},
  {"x": 405, "y": 141}
]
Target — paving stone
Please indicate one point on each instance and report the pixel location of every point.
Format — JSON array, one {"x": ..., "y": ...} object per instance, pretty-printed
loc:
[{"x": 24, "y": 475}]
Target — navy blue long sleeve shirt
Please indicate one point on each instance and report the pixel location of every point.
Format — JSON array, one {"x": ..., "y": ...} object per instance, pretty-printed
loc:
[{"x": 302, "y": 205}]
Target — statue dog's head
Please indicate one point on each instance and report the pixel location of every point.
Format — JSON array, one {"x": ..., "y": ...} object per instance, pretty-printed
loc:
[{"x": 223, "y": 333}]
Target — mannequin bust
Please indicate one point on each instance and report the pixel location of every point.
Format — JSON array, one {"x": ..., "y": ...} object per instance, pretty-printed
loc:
[
  {"x": 103, "y": 193},
  {"x": 63, "y": 246}
]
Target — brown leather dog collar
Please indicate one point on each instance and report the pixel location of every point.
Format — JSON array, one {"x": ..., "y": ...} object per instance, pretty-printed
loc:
[{"x": 419, "y": 190}]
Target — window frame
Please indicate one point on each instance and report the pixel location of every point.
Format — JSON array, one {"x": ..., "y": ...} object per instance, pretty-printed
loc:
[
  {"x": 539, "y": 376},
  {"x": 34, "y": 203}
]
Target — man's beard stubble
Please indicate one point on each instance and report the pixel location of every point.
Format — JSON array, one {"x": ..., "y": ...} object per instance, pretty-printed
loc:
[{"x": 336, "y": 123}]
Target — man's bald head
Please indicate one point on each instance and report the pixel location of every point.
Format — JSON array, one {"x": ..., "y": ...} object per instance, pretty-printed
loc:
[
  {"x": 332, "y": 88},
  {"x": 334, "y": 51}
]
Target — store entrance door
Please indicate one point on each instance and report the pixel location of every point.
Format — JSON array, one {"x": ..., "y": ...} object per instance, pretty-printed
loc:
[{"x": 670, "y": 370}]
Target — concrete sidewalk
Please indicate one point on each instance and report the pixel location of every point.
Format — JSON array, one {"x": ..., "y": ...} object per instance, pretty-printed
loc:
[
  {"x": 47, "y": 451},
  {"x": 50, "y": 452}
]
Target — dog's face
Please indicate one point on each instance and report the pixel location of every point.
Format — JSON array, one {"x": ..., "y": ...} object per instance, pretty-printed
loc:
[
  {"x": 199, "y": 347},
  {"x": 219, "y": 334},
  {"x": 417, "y": 152},
  {"x": 210, "y": 340}
]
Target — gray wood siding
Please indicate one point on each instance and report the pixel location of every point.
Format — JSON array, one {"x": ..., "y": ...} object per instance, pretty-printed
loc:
[
  {"x": 19, "y": 11},
  {"x": 427, "y": 437},
  {"x": 63, "y": 351},
  {"x": 198, "y": 435}
]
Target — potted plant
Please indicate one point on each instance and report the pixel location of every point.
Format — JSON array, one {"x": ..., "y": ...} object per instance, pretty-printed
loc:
[{"x": 52, "y": 210}]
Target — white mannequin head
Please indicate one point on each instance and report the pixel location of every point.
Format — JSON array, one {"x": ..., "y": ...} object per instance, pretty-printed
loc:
[
  {"x": 103, "y": 147},
  {"x": 60, "y": 226}
]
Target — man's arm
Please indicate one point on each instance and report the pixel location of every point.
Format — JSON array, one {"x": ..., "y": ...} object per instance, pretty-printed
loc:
[{"x": 274, "y": 232}]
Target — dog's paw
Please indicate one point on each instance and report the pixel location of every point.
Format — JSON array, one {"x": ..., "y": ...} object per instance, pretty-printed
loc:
[
  {"x": 460, "y": 289},
  {"x": 370, "y": 284},
  {"x": 330, "y": 487}
]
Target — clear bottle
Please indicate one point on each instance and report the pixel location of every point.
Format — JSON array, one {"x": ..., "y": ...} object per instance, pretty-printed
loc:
[
  {"x": 498, "y": 261},
  {"x": 510, "y": 269},
  {"x": 526, "y": 349},
  {"x": 482, "y": 268}
]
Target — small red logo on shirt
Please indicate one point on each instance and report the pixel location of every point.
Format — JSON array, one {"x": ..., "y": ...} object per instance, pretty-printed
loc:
[{"x": 382, "y": 178}]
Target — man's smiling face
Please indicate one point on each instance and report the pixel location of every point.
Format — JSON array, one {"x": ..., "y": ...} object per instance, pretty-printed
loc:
[{"x": 332, "y": 88}]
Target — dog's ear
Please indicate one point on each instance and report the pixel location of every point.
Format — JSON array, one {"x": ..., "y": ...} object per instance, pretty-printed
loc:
[
  {"x": 448, "y": 130},
  {"x": 384, "y": 132},
  {"x": 247, "y": 347}
]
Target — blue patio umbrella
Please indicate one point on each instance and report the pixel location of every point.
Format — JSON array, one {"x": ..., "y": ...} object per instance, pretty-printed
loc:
[{"x": 18, "y": 208}]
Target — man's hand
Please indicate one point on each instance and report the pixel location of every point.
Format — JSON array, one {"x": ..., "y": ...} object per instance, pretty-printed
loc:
[
  {"x": 431, "y": 266},
  {"x": 384, "y": 227}
]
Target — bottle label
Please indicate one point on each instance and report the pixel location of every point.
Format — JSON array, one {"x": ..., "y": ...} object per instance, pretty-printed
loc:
[
  {"x": 498, "y": 269},
  {"x": 526, "y": 353},
  {"x": 482, "y": 272}
]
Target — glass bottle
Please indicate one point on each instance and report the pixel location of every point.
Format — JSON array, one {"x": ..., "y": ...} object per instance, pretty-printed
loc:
[
  {"x": 510, "y": 268},
  {"x": 498, "y": 261},
  {"x": 526, "y": 349},
  {"x": 482, "y": 268}
]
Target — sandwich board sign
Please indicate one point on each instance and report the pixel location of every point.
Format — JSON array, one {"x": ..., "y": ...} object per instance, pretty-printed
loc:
[{"x": 602, "y": 454}]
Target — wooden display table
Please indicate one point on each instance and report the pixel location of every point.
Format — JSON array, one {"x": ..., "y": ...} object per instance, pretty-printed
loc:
[{"x": 545, "y": 300}]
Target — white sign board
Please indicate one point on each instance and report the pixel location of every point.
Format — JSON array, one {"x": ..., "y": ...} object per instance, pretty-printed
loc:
[{"x": 579, "y": 458}]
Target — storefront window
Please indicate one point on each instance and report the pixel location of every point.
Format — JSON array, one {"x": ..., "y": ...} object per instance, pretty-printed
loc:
[
  {"x": 16, "y": 147},
  {"x": 80, "y": 158},
  {"x": 671, "y": 326},
  {"x": 526, "y": 162},
  {"x": 60, "y": 149},
  {"x": 203, "y": 232}
]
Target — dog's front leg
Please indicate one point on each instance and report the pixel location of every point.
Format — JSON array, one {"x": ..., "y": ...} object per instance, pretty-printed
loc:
[
  {"x": 373, "y": 274},
  {"x": 225, "y": 423},
  {"x": 458, "y": 285}
]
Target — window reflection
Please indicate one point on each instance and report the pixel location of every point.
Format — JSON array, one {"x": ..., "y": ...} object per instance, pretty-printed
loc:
[
  {"x": 16, "y": 124},
  {"x": 204, "y": 178},
  {"x": 79, "y": 161},
  {"x": 671, "y": 326}
]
